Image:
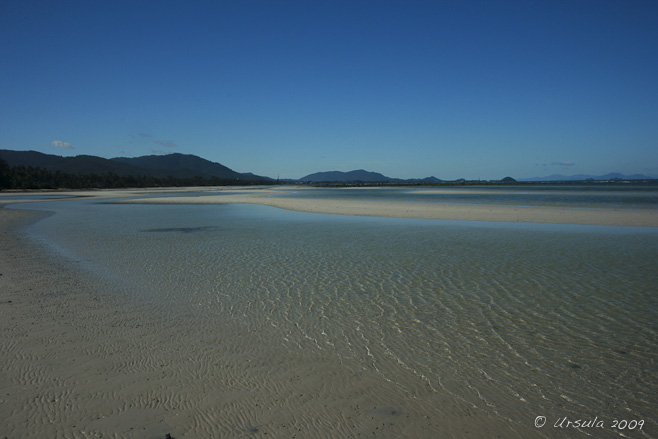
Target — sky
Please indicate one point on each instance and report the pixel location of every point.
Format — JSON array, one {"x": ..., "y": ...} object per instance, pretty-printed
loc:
[{"x": 411, "y": 89}]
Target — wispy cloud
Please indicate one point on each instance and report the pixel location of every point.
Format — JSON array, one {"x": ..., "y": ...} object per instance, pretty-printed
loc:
[
  {"x": 158, "y": 151},
  {"x": 167, "y": 143},
  {"x": 60, "y": 144},
  {"x": 144, "y": 135},
  {"x": 563, "y": 164}
]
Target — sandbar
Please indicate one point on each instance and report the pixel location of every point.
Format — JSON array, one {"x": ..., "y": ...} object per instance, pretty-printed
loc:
[
  {"x": 275, "y": 197},
  {"x": 421, "y": 210}
]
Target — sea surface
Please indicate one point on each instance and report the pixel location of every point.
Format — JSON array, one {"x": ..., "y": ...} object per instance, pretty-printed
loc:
[
  {"x": 516, "y": 321},
  {"x": 631, "y": 196}
]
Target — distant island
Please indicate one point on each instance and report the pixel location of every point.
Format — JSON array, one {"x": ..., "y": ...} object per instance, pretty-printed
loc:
[{"x": 36, "y": 170}]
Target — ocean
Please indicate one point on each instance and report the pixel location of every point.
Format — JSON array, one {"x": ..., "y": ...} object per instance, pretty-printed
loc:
[{"x": 521, "y": 324}]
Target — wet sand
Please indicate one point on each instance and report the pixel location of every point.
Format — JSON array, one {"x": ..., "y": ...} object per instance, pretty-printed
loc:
[{"x": 80, "y": 359}]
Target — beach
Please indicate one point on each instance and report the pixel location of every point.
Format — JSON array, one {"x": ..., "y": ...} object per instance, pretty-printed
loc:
[
  {"x": 82, "y": 358},
  {"x": 70, "y": 352}
]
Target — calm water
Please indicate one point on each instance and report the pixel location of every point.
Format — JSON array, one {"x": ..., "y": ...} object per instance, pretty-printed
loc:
[
  {"x": 518, "y": 320},
  {"x": 632, "y": 196}
]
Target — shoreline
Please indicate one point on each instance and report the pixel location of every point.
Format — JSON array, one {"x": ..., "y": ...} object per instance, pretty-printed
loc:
[
  {"x": 63, "y": 331},
  {"x": 269, "y": 196}
]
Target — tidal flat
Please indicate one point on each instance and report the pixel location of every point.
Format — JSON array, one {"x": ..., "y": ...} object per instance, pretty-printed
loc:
[{"x": 226, "y": 319}]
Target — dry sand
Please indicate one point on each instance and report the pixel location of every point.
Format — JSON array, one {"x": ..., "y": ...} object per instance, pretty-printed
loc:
[{"x": 79, "y": 359}]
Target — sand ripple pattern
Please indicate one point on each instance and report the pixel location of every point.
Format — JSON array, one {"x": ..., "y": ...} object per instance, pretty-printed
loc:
[{"x": 243, "y": 321}]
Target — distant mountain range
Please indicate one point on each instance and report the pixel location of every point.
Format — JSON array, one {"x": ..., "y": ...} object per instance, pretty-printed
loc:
[
  {"x": 186, "y": 166},
  {"x": 159, "y": 166},
  {"x": 579, "y": 177},
  {"x": 362, "y": 176}
]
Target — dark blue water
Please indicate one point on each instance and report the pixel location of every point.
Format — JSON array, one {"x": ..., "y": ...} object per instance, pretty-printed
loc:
[{"x": 634, "y": 197}]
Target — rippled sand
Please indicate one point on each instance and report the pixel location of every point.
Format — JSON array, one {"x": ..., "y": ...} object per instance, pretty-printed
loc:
[{"x": 78, "y": 362}]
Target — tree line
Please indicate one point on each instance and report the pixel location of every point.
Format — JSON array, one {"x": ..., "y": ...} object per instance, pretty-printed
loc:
[{"x": 29, "y": 177}]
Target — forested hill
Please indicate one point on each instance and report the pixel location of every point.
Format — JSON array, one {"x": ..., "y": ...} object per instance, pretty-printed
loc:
[
  {"x": 35, "y": 170},
  {"x": 362, "y": 176}
]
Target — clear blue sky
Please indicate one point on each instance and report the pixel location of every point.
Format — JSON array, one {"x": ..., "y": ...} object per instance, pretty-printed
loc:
[{"x": 472, "y": 89}]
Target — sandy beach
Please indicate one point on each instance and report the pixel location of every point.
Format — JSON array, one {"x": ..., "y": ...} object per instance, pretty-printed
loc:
[
  {"x": 71, "y": 364},
  {"x": 80, "y": 359}
]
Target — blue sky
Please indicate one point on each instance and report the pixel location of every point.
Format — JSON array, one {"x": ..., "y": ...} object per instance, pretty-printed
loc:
[{"x": 460, "y": 89}]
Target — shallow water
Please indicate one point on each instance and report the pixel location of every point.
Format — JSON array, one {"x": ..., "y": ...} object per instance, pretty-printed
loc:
[{"x": 512, "y": 320}]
